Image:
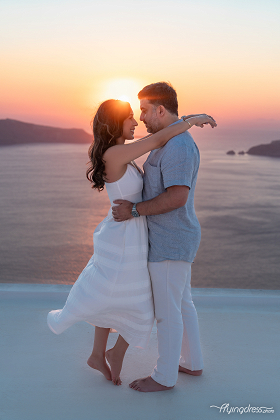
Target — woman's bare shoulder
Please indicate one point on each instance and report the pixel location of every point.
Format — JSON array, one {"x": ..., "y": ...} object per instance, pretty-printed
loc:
[{"x": 109, "y": 153}]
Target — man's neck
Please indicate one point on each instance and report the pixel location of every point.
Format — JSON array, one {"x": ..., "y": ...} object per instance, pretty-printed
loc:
[{"x": 170, "y": 119}]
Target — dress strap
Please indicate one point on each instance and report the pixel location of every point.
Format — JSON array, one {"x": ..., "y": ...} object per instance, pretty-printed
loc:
[{"x": 132, "y": 163}]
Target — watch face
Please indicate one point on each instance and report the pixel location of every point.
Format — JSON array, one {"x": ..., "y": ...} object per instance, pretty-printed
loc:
[{"x": 134, "y": 212}]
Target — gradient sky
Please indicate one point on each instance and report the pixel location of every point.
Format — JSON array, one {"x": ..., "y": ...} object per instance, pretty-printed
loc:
[{"x": 60, "y": 59}]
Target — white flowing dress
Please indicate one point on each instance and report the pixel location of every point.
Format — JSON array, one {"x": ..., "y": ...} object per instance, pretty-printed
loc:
[{"x": 114, "y": 289}]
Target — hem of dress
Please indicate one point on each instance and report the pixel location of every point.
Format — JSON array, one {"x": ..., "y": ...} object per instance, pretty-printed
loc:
[
  {"x": 129, "y": 338},
  {"x": 50, "y": 327},
  {"x": 170, "y": 259}
]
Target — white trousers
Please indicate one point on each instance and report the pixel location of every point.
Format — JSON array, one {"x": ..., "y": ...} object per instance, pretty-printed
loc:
[{"x": 177, "y": 323}]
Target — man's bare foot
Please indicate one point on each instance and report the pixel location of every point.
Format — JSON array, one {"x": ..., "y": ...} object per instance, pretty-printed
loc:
[
  {"x": 190, "y": 372},
  {"x": 99, "y": 363},
  {"x": 148, "y": 385},
  {"x": 115, "y": 361}
]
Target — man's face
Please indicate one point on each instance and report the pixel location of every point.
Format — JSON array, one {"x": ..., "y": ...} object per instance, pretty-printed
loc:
[{"x": 149, "y": 116}]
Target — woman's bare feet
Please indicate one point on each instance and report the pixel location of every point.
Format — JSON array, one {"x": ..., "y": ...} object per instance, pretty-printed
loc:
[
  {"x": 148, "y": 385},
  {"x": 98, "y": 362},
  {"x": 115, "y": 360},
  {"x": 190, "y": 372}
]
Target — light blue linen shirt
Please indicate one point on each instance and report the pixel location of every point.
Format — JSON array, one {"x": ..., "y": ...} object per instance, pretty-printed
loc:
[{"x": 174, "y": 235}]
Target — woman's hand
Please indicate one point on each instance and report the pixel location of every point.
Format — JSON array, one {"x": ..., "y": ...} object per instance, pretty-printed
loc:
[
  {"x": 200, "y": 120},
  {"x": 205, "y": 119}
]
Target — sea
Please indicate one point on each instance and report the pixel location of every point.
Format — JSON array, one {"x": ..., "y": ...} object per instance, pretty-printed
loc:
[{"x": 48, "y": 213}]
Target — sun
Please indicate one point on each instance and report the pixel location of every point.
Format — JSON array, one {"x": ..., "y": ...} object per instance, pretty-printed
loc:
[
  {"x": 123, "y": 89},
  {"x": 125, "y": 98}
]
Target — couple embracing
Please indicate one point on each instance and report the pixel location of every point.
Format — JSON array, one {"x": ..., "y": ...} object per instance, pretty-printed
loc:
[{"x": 144, "y": 248}]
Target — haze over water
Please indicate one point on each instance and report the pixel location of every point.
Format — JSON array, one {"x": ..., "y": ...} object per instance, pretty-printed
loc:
[{"x": 48, "y": 213}]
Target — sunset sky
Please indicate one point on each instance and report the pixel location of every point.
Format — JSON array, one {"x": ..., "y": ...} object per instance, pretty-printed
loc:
[{"x": 60, "y": 59}]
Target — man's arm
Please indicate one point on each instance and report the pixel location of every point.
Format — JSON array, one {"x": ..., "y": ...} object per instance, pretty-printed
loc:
[{"x": 173, "y": 198}]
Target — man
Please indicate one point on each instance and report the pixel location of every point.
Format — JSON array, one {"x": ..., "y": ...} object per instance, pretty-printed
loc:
[{"x": 170, "y": 175}]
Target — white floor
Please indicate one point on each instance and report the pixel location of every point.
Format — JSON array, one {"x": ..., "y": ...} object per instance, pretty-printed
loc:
[{"x": 45, "y": 377}]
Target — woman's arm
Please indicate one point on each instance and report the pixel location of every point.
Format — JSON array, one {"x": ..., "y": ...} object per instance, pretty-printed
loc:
[{"x": 124, "y": 153}]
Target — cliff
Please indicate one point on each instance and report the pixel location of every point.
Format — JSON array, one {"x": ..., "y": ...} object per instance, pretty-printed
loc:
[{"x": 16, "y": 132}]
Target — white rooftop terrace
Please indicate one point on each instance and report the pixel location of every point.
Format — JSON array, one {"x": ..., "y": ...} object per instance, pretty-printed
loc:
[{"x": 45, "y": 376}]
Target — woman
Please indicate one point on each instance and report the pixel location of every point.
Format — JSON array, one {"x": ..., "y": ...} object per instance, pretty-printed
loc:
[{"x": 114, "y": 290}]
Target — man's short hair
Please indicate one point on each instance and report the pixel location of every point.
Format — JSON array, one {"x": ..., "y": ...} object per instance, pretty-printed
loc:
[{"x": 161, "y": 93}]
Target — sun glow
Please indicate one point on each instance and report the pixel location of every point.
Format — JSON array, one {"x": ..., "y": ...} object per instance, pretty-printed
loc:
[
  {"x": 124, "y": 98},
  {"x": 123, "y": 89}
]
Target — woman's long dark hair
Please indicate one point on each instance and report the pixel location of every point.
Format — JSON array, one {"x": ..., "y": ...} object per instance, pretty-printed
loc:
[{"x": 107, "y": 128}]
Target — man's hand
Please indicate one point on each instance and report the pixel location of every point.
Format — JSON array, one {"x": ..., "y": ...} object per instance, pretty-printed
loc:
[{"x": 122, "y": 212}]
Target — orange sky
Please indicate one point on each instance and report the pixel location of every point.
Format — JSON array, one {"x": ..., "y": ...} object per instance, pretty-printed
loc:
[{"x": 61, "y": 59}]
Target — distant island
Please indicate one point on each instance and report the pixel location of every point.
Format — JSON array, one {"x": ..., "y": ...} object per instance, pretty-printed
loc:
[
  {"x": 270, "y": 149},
  {"x": 13, "y": 132}
]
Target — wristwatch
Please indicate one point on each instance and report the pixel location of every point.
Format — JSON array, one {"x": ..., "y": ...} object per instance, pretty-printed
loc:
[{"x": 134, "y": 212}]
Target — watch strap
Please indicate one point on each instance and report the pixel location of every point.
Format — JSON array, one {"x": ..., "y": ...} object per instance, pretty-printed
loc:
[{"x": 134, "y": 211}]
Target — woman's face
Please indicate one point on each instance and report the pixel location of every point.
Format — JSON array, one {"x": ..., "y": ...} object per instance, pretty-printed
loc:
[{"x": 129, "y": 125}]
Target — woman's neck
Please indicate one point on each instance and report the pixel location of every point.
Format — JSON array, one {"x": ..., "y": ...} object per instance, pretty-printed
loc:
[{"x": 120, "y": 140}]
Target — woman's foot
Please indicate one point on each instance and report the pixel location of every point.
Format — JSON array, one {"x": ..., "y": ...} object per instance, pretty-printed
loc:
[
  {"x": 190, "y": 372},
  {"x": 115, "y": 360},
  {"x": 148, "y": 385},
  {"x": 98, "y": 362}
]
